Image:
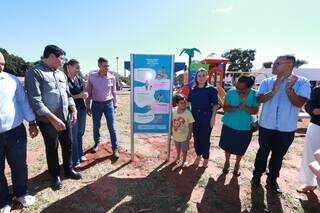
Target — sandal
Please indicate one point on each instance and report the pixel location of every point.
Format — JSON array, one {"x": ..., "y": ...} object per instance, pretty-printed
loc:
[{"x": 205, "y": 163}]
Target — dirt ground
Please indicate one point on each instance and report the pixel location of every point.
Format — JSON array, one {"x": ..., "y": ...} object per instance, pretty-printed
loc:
[{"x": 148, "y": 185}]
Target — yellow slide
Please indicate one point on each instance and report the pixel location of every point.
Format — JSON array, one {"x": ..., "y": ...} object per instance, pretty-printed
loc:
[{"x": 221, "y": 94}]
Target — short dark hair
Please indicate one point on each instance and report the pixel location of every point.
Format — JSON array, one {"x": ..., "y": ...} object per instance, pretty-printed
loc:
[
  {"x": 290, "y": 58},
  {"x": 53, "y": 49},
  {"x": 179, "y": 97},
  {"x": 102, "y": 60},
  {"x": 247, "y": 80}
]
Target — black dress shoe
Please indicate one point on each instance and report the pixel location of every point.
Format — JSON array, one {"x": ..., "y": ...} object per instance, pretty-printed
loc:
[
  {"x": 255, "y": 182},
  {"x": 236, "y": 172},
  {"x": 273, "y": 185},
  {"x": 72, "y": 174},
  {"x": 56, "y": 183}
]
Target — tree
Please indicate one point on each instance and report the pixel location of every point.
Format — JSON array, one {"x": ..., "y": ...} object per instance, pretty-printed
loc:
[
  {"x": 190, "y": 52},
  {"x": 120, "y": 79},
  {"x": 15, "y": 64},
  {"x": 267, "y": 64},
  {"x": 240, "y": 59},
  {"x": 300, "y": 62}
]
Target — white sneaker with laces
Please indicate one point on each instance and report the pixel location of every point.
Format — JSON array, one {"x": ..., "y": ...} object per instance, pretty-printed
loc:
[
  {"x": 5, "y": 209},
  {"x": 26, "y": 200}
]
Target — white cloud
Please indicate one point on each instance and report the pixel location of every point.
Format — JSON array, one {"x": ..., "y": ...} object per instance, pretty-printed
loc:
[
  {"x": 224, "y": 10},
  {"x": 224, "y": 6}
]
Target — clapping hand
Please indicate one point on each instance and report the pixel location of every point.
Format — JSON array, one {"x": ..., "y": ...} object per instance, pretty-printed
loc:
[
  {"x": 242, "y": 105},
  {"x": 292, "y": 79},
  {"x": 276, "y": 86}
]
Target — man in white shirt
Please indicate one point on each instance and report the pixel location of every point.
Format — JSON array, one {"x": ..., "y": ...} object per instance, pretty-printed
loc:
[{"x": 14, "y": 108}]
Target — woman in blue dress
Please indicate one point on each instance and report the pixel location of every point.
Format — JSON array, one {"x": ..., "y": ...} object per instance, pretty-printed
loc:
[
  {"x": 239, "y": 105},
  {"x": 204, "y": 104}
]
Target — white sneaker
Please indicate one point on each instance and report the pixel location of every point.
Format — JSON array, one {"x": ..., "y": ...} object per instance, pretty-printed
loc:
[
  {"x": 83, "y": 158},
  {"x": 26, "y": 200},
  {"x": 77, "y": 166},
  {"x": 5, "y": 209}
]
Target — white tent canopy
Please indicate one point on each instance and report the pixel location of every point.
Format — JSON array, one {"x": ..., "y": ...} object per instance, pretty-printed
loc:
[{"x": 312, "y": 74}]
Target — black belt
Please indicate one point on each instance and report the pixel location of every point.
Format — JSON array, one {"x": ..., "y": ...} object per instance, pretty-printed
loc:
[{"x": 103, "y": 102}]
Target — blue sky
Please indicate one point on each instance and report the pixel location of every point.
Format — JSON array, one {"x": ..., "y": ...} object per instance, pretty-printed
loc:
[{"x": 110, "y": 28}]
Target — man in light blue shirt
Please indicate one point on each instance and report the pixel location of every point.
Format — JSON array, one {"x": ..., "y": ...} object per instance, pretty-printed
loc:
[
  {"x": 282, "y": 96},
  {"x": 14, "y": 108}
]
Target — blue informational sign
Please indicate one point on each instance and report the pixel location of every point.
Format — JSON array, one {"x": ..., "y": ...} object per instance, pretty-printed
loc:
[{"x": 151, "y": 87}]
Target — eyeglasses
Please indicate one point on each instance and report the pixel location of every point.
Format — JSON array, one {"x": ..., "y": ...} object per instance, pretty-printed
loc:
[{"x": 280, "y": 63}]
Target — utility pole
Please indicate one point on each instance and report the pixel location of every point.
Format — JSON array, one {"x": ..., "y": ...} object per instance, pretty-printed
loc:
[{"x": 117, "y": 58}]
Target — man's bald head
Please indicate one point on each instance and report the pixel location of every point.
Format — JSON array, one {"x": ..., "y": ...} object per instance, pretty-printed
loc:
[{"x": 2, "y": 62}]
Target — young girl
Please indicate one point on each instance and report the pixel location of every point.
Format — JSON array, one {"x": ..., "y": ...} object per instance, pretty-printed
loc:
[{"x": 182, "y": 120}]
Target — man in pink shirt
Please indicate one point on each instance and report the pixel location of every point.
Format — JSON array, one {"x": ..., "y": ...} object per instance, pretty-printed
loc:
[{"x": 101, "y": 88}]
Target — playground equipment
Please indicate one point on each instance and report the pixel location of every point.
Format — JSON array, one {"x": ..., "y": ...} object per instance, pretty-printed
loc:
[{"x": 217, "y": 66}]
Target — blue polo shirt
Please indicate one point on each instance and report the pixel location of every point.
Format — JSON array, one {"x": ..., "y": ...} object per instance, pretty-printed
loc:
[{"x": 279, "y": 113}]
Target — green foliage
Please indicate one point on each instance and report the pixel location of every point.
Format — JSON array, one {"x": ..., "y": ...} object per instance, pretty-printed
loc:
[
  {"x": 267, "y": 64},
  {"x": 240, "y": 59},
  {"x": 120, "y": 78},
  {"x": 126, "y": 80},
  {"x": 300, "y": 62},
  {"x": 190, "y": 52},
  {"x": 15, "y": 64}
]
